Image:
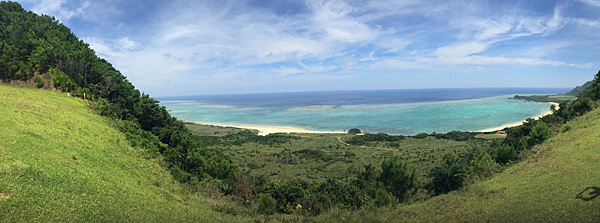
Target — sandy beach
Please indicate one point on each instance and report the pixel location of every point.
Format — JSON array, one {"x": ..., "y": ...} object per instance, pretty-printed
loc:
[
  {"x": 265, "y": 130},
  {"x": 519, "y": 123}
]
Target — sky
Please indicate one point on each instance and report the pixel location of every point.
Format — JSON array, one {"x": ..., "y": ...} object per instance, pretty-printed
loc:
[{"x": 169, "y": 48}]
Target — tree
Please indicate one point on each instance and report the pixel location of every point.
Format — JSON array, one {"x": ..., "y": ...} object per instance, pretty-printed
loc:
[
  {"x": 266, "y": 205},
  {"x": 354, "y": 131},
  {"x": 540, "y": 133},
  {"x": 445, "y": 178},
  {"x": 396, "y": 178},
  {"x": 504, "y": 153}
]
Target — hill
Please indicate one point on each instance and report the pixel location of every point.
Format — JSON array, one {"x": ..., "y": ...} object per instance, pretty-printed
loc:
[
  {"x": 59, "y": 161},
  {"x": 579, "y": 89},
  {"x": 569, "y": 96}
]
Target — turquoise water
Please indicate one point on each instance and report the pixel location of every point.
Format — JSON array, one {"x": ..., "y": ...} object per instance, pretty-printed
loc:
[{"x": 400, "y": 118}]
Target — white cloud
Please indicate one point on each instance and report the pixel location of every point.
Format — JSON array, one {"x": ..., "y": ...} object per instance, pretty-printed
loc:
[
  {"x": 461, "y": 49},
  {"x": 210, "y": 40},
  {"x": 591, "y": 2},
  {"x": 55, "y": 8},
  {"x": 285, "y": 71}
]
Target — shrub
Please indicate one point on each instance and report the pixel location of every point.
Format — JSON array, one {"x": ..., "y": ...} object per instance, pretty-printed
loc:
[
  {"x": 566, "y": 128},
  {"x": 354, "y": 131},
  {"x": 396, "y": 178},
  {"x": 38, "y": 81},
  {"x": 482, "y": 163},
  {"x": 504, "y": 153},
  {"x": 266, "y": 204},
  {"x": 382, "y": 198},
  {"x": 445, "y": 178},
  {"x": 540, "y": 133}
]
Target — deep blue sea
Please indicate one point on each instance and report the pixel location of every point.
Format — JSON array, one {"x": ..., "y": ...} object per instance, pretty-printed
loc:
[{"x": 402, "y": 111}]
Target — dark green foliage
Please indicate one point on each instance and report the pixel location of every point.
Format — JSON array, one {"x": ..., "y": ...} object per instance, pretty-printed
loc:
[
  {"x": 456, "y": 135},
  {"x": 445, "y": 178},
  {"x": 178, "y": 174},
  {"x": 539, "y": 98},
  {"x": 379, "y": 137},
  {"x": 420, "y": 135},
  {"x": 482, "y": 164},
  {"x": 523, "y": 144},
  {"x": 382, "y": 198},
  {"x": 382, "y": 137},
  {"x": 320, "y": 155},
  {"x": 266, "y": 204},
  {"x": 396, "y": 178},
  {"x": 504, "y": 153},
  {"x": 61, "y": 81},
  {"x": 247, "y": 136},
  {"x": 38, "y": 81},
  {"x": 354, "y": 131},
  {"x": 287, "y": 194},
  {"x": 540, "y": 133}
]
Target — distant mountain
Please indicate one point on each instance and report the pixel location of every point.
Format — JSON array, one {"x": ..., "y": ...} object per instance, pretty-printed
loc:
[
  {"x": 569, "y": 96},
  {"x": 579, "y": 89}
]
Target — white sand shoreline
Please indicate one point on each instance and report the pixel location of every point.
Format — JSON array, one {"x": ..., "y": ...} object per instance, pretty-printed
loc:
[
  {"x": 266, "y": 130},
  {"x": 519, "y": 123}
]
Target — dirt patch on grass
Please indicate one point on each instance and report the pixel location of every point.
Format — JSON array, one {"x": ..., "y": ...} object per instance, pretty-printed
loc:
[{"x": 4, "y": 196}]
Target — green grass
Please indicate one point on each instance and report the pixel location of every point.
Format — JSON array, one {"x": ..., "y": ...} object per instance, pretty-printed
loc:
[
  {"x": 559, "y": 184},
  {"x": 61, "y": 162},
  {"x": 491, "y": 136}
]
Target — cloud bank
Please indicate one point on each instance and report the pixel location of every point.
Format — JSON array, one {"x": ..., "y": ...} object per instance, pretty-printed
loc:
[{"x": 183, "y": 47}]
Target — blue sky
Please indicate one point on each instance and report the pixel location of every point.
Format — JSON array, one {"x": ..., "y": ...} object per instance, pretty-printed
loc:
[{"x": 212, "y": 47}]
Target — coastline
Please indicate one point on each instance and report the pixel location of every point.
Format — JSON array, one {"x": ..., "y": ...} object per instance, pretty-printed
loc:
[
  {"x": 266, "y": 130},
  {"x": 520, "y": 123}
]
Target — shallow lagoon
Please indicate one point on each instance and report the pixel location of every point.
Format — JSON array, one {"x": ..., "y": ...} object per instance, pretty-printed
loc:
[{"x": 337, "y": 111}]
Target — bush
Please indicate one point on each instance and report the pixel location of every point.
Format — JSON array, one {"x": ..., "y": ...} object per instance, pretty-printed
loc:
[
  {"x": 445, "y": 178},
  {"x": 266, "y": 204},
  {"x": 504, "y": 153},
  {"x": 482, "y": 163},
  {"x": 396, "y": 178},
  {"x": 354, "y": 131},
  {"x": 566, "y": 128},
  {"x": 540, "y": 133},
  {"x": 38, "y": 81},
  {"x": 382, "y": 198}
]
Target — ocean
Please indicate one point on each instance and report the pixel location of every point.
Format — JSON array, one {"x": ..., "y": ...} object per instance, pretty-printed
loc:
[{"x": 399, "y": 112}]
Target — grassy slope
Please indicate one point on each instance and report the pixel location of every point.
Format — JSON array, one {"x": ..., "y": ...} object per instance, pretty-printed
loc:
[
  {"x": 558, "y": 185},
  {"x": 61, "y": 162}
]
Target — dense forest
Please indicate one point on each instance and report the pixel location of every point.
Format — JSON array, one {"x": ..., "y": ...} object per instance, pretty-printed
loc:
[{"x": 39, "y": 49}]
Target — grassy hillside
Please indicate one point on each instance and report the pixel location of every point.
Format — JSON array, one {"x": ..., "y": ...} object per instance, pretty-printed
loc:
[
  {"x": 561, "y": 183},
  {"x": 61, "y": 162}
]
